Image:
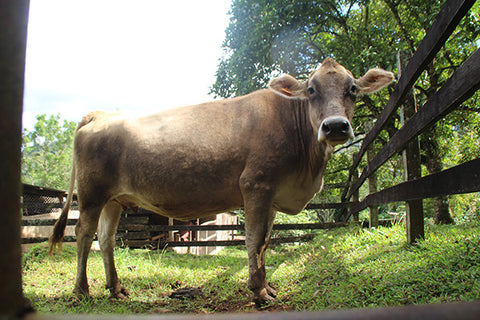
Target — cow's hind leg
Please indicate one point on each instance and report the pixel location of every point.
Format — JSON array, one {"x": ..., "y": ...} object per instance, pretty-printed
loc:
[
  {"x": 259, "y": 218},
  {"x": 106, "y": 237},
  {"x": 85, "y": 231}
]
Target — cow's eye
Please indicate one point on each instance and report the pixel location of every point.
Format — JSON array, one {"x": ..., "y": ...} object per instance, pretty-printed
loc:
[
  {"x": 354, "y": 90},
  {"x": 310, "y": 90}
]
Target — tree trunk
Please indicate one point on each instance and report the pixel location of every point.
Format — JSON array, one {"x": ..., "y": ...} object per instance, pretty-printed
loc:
[
  {"x": 442, "y": 212},
  {"x": 434, "y": 164}
]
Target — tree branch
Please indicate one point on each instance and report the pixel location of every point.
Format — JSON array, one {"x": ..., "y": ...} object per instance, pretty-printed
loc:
[{"x": 393, "y": 8}]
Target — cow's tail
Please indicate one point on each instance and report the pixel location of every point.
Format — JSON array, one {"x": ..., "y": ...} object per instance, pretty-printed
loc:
[{"x": 59, "y": 227}]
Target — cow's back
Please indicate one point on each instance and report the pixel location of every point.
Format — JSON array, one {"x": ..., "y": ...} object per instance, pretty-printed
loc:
[{"x": 178, "y": 162}]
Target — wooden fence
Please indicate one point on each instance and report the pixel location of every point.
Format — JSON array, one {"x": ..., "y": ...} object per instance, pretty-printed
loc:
[
  {"x": 138, "y": 230},
  {"x": 464, "y": 178},
  {"x": 123, "y": 237}
]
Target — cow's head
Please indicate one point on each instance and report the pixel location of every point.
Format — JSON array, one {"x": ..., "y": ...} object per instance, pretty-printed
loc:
[{"x": 331, "y": 91}]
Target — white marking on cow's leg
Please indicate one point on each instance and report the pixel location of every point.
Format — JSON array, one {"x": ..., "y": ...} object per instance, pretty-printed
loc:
[
  {"x": 259, "y": 218},
  {"x": 85, "y": 231},
  {"x": 107, "y": 228}
]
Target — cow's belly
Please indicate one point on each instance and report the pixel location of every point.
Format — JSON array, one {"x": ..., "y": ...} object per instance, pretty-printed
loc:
[
  {"x": 186, "y": 210},
  {"x": 183, "y": 201}
]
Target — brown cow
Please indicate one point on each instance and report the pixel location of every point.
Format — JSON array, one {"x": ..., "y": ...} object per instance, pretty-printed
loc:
[{"x": 265, "y": 151}]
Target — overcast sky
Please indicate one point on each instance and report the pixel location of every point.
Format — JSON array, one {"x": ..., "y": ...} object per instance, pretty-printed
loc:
[{"x": 134, "y": 56}]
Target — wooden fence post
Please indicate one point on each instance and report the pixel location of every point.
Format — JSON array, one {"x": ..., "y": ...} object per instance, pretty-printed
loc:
[
  {"x": 355, "y": 196},
  {"x": 13, "y": 34},
  {"x": 411, "y": 161},
  {"x": 372, "y": 180}
]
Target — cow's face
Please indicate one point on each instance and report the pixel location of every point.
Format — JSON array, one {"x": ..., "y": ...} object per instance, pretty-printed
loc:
[{"x": 331, "y": 91}]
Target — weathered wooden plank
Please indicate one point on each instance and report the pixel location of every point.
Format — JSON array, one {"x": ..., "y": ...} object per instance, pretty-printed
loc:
[
  {"x": 44, "y": 239},
  {"x": 42, "y": 191},
  {"x": 136, "y": 232},
  {"x": 193, "y": 228},
  {"x": 150, "y": 228},
  {"x": 162, "y": 244},
  {"x": 461, "y": 85},
  {"x": 145, "y": 232},
  {"x": 464, "y": 178},
  {"x": 132, "y": 235},
  {"x": 213, "y": 243},
  {"x": 132, "y": 227},
  {"x": 446, "y": 21},
  {"x": 132, "y": 219},
  {"x": 340, "y": 205},
  {"x": 165, "y": 228},
  {"x": 311, "y": 226},
  {"x": 45, "y": 222}
]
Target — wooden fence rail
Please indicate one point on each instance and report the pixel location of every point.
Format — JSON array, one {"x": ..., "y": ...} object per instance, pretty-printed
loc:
[
  {"x": 167, "y": 228},
  {"x": 138, "y": 229},
  {"x": 460, "y": 179},
  {"x": 459, "y": 87}
]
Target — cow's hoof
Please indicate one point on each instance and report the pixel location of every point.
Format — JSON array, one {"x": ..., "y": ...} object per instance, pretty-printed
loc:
[
  {"x": 120, "y": 293},
  {"x": 81, "y": 293},
  {"x": 263, "y": 298}
]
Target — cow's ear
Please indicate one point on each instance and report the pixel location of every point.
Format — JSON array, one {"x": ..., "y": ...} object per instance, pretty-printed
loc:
[
  {"x": 288, "y": 87},
  {"x": 374, "y": 80}
]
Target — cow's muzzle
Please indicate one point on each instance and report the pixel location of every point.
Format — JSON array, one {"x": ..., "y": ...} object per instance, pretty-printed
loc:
[{"x": 335, "y": 130}]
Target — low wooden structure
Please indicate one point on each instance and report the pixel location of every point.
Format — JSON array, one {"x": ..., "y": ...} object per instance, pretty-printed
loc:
[
  {"x": 41, "y": 207},
  {"x": 145, "y": 230}
]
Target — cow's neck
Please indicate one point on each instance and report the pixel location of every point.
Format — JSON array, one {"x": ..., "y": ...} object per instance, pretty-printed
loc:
[{"x": 313, "y": 155}]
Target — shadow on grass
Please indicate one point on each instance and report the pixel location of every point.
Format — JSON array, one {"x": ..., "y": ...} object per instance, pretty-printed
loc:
[
  {"x": 389, "y": 273},
  {"x": 150, "y": 276}
]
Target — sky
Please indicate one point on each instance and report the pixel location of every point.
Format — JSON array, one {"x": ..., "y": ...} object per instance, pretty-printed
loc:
[{"x": 133, "y": 56}]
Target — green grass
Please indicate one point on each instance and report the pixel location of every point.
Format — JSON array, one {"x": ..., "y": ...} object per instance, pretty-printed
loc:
[{"x": 341, "y": 268}]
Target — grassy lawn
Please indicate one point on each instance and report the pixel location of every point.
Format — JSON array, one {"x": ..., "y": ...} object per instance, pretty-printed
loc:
[{"x": 341, "y": 268}]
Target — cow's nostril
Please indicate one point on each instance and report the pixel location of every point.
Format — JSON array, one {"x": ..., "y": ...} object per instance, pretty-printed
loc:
[
  {"x": 326, "y": 128},
  {"x": 344, "y": 126}
]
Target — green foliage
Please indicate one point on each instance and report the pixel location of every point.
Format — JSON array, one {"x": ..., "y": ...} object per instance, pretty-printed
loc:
[
  {"x": 47, "y": 152},
  {"x": 340, "y": 268},
  {"x": 465, "y": 208}
]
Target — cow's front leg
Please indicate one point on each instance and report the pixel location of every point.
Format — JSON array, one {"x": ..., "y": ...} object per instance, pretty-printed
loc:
[{"x": 259, "y": 218}]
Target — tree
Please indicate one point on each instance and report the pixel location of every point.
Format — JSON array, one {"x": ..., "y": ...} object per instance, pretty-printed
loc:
[
  {"x": 267, "y": 37},
  {"x": 47, "y": 152}
]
